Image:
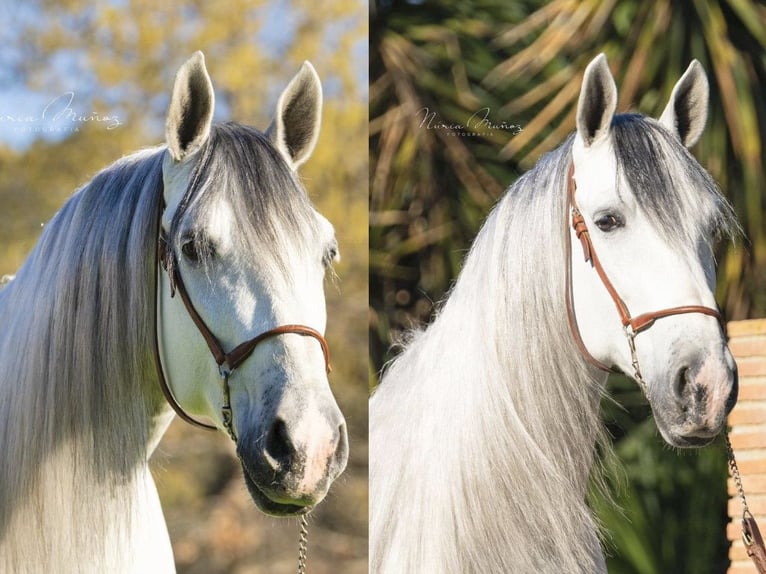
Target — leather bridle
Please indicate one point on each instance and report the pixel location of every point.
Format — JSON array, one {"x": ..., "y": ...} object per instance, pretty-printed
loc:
[
  {"x": 227, "y": 362},
  {"x": 632, "y": 326}
]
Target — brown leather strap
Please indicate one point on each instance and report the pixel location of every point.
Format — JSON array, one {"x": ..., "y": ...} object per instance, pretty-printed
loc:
[
  {"x": 160, "y": 259},
  {"x": 636, "y": 324},
  {"x": 215, "y": 347},
  {"x": 581, "y": 229},
  {"x": 751, "y": 536},
  {"x": 571, "y": 319},
  {"x": 237, "y": 356},
  {"x": 646, "y": 320},
  {"x": 243, "y": 351}
]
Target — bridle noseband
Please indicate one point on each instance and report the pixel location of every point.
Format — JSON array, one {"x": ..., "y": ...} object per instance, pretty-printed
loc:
[
  {"x": 227, "y": 362},
  {"x": 632, "y": 326}
]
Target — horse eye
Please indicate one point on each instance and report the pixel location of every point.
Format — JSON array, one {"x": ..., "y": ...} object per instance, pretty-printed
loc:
[
  {"x": 197, "y": 248},
  {"x": 189, "y": 249},
  {"x": 608, "y": 222},
  {"x": 330, "y": 255}
]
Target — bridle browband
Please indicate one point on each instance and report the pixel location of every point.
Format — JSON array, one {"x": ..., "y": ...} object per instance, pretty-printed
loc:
[
  {"x": 632, "y": 326},
  {"x": 227, "y": 362}
]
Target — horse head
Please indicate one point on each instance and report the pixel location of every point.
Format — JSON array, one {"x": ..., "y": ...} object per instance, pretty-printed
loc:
[
  {"x": 652, "y": 213},
  {"x": 252, "y": 253}
]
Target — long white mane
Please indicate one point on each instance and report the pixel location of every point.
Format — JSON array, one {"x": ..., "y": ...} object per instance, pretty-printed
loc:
[
  {"x": 76, "y": 387},
  {"x": 485, "y": 429}
]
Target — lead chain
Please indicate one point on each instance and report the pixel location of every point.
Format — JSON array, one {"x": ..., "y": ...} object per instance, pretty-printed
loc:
[
  {"x": 303, "y": 542},
  {"x": 228, "y": 423},
  {"x": 735, "y": 473}
]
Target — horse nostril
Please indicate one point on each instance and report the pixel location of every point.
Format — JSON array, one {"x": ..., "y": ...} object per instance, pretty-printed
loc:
[
  {"x": 691, "y": 393},
  {"x": 278, "y": 443},
  {"x": 341, "y": 445},
  {"x": 681, "y": 383},
  {"x": 731, "y": 400}
]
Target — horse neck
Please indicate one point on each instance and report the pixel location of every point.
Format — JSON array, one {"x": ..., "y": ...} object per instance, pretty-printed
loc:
[
  {"x": 489, "y": 419},
  {"x": 505, "y": 354}
]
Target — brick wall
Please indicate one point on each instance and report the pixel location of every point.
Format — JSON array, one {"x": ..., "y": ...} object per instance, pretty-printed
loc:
[{"x": 748, "y": 434}]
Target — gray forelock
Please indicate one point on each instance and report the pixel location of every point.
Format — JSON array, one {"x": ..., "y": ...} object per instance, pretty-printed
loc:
[
  {"x": 672, "y": 188},
  {"x": 273, "y": 213}
]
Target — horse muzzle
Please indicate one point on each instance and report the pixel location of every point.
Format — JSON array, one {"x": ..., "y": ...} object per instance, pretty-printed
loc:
[
  {"x": 692, "y": 411},
  {"x": 289, "y": 467}
]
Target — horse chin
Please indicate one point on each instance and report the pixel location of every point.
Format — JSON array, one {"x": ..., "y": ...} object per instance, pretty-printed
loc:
[
  {"x": 272, "y": 507},
  {"x": 680, "y": 436}
]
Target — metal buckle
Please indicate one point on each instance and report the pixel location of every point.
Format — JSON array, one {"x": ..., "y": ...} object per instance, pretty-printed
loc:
[
  {"x": 747, "y": 535},
  {"x": 227, "y": 415},
  {"x": 631, "y": 336}
]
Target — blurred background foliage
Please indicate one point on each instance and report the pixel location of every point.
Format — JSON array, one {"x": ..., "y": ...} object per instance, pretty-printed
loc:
[
  {"x": 431, "y": 185},
  {"x": 118, "y": 58}
]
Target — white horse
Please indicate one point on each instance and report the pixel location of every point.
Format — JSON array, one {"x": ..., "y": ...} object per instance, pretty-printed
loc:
[
  {"x": 484, "y": 431},
  {"x": 81, "y": 409}
]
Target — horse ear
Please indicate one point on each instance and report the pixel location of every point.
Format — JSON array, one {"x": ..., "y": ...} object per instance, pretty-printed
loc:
[
  {"x": 598, "y": 101},
  {"x": 686, "y": 112},
  {"x": 190, "y": 114},
  {"x": 295, "y": 128}
]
